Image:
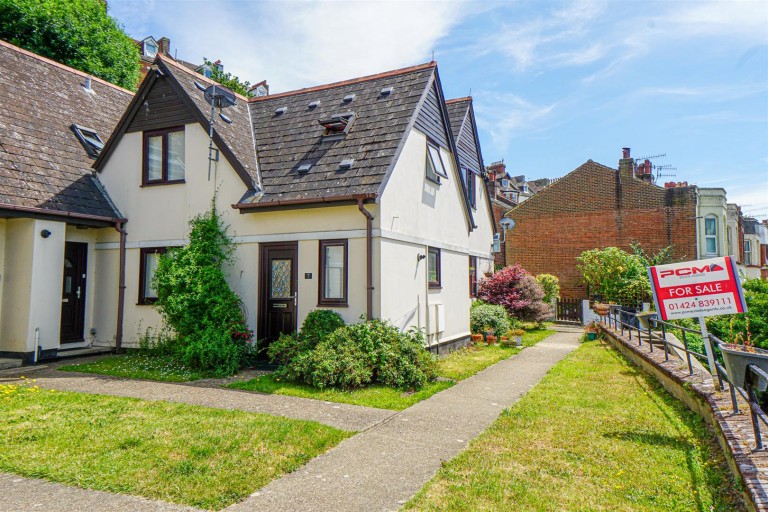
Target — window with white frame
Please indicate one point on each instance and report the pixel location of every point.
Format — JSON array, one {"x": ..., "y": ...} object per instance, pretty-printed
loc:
[
  {"x": 747, "y": 252},
  {"x": 435, "y": 167},
  {"x": 710, "y": 235}
]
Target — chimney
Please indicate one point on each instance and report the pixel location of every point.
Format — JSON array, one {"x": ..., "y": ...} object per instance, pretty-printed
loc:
[
  {"x": 164, "y": 46},
  {"x": 645, "y": 171},
  {"x": 218, "y": 65},
  {"x": 626, "y": 164},
  {"x": 496, "y": 170}
]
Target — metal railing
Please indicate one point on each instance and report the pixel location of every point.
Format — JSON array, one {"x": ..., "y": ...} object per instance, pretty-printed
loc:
[{"x": 657, "y": 333}]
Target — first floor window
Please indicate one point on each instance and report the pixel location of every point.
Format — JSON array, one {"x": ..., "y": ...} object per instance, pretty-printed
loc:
[
  {"x": 747, "y": 252},
  {"x": 710, "y": 235},
  {"x": 163, "y": 156},
  {"x": 433, "y": 267},
  {"x": 147, "y": 267},
  {"x": 333, "y": 272},
  {"x": 473, "y": 276},
  {"x": 469, "y": 181},
  {"x": 435, "y": 167}
]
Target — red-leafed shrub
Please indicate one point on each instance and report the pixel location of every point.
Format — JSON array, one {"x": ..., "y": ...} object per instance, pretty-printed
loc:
[{"x": 517, "y": 291}]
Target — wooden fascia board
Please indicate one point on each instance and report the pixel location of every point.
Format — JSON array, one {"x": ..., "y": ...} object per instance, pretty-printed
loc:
[{"x": 471, "y": 118}]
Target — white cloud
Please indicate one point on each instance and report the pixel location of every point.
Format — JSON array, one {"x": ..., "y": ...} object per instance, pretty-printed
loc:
[
  {"x": 734, "y": 18},
  {"x": 299, "y": 44},
  {"x": 505, "y": 116}
]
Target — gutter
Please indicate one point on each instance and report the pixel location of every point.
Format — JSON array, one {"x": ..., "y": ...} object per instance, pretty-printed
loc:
[
  {"x": 60, "y": 213},
  {"x": 120, "y": 227},
  {"x": 368, "y": 257},
  {"x": 294, "y": 202}
]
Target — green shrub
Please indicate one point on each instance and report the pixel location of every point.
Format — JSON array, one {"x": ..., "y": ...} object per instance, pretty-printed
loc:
[
  {"x": 730, "y": 327},
  {"x": 361, "y": 354},
  {"x": 551, "y": 286},
  {"x": 318, "y": 324},
  {"x": 489, "y": 315}
]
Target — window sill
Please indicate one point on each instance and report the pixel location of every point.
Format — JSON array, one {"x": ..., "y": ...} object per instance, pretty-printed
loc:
[
  {"x": 146, "y": 302},
  {"x": 435, "y": 286},
  {"x": 332, "y": 305},
  {"x": 156, "y": 183}
]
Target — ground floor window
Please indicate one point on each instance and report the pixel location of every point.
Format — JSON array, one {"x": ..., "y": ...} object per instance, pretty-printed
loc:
[
  {"x": 433, "y": 267},
  {"x": 333, "y": 273},
  {"x": 147, "y": 267},
  {"x": 473, "y": 276},
  {"x": 747, "y": 252}
]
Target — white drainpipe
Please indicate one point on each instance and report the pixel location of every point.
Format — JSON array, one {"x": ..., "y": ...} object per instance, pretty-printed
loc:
[{"x": 37, "y": 344}]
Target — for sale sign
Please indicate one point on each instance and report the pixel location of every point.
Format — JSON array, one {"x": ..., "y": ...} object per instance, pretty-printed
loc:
[{"x": 697, "y": 288}]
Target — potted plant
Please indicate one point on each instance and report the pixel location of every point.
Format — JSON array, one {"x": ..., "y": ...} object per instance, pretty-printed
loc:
[
  {"x": 600, "y": 308},
  {"x": 740, "y": 353},
  {"x": 517, "y": 335},
  {"x": 490, "y": 339},
  {"x": 591, "y": 329},
  {"x": 476, "y": 338},
  {"x": 644, "y": 318}
]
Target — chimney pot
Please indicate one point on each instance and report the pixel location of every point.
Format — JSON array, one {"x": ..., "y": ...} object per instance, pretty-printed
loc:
[{"x": 625, "y": 153}]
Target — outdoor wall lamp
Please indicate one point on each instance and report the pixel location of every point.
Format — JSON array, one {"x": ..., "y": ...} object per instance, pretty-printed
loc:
[
  {"x": 45, "y": 233},
  {"x": 420, "y": 257}
]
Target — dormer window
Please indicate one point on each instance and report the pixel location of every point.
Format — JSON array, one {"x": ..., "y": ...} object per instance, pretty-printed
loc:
[
  {"x": 337, "y": 124},
  {"x": 150, "y": 48},
  {"x": 435, "y": 167},
  {"x": 89, "y": 139}
]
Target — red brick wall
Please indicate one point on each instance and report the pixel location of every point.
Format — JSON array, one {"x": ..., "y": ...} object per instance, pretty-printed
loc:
[{"x": 592, "y": 208}]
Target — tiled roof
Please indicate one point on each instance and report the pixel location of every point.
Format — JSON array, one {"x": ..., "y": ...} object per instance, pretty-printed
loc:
[
  {"x": 457, "y": 111},
  {"x": 43, "y": 166},
  {"x": 237, "y": 136},
  {"x": 286, "y": 141}
]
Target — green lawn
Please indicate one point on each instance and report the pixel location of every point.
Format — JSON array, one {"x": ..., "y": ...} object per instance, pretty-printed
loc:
[
  {"x": 380, "y": 397},
  {"x": 595, "y": 434},
  {"x": 458, "y": 365},
  {"x": 463, "y": 363},
  {"x": 192, "y": 455},
  {"x": 137, "y": 365}
]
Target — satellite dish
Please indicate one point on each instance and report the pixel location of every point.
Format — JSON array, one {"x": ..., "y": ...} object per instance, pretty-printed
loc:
[
  {"x": 219, "y": 96},
  {"x": 507, "y": 223}
]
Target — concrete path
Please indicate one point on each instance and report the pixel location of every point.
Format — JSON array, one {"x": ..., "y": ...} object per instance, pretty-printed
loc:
[
  {"x": 342, "y": 416},
  {"x": 383, "y": 467}
]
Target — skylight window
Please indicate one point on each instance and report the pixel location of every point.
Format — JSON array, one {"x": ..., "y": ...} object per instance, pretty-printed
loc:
[
  {"x": 349, "y": 97},
  {"x": 387, "y": 91},
  {"x": 347, "y": 163},
  {"x": 314, "y": 104},
  {"x": 281, "y": 110},
  {"x": 337, "y": 124},
  {"x": 304, "y": 168},
  {"x": 89, "y": 139}
]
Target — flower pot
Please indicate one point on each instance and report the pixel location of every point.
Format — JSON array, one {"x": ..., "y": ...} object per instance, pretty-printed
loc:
[
  {"x": 591, "y": 336},
  {"x": 644, "y": 318},
  {"x": 736, "y": 359},
  {"x": 490, "y": 339},
  {"x": 600, "y": 309},
  {"x": 476, "y": 338}
]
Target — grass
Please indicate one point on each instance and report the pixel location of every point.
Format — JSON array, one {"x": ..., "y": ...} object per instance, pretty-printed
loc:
[
  {"x": 457, "y": 366},
  {"x": 136, "y": 365},
  {"x": 595, "y": 434},
  {"x": 380, "y": 397},
  {"x": 463, "y": 363},
  {"x": 191, "y": 455}
]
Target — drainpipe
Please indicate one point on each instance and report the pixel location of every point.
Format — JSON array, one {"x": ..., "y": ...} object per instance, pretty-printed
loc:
[
  {"x": 368, "y": 258},
  {"x": 120, "y": 227},
  {"x": 696, "y": 216}
]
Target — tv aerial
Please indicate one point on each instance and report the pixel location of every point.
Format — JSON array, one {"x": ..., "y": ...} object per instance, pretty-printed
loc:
[{"x": 216, "y": 95}]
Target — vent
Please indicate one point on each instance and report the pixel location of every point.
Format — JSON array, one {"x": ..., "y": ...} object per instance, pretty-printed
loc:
[
  {"x": 347, "y": 163},
  {"x": 314, "y": 104},
  {"x": 199, "y": 86},
  {"x": 281, "y": 111},
  {"x": 387, "y": 91},
  {"x": 304, "y": 168},
  {"x": 87, "y": 84},
  {"x": 337, "y": 124},
  {"x": 225, "y": 118},
  {"x": 89, "y": 139},
  {"x": 348, "y": 98}
]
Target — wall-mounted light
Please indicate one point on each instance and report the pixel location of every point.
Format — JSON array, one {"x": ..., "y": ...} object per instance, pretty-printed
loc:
[
  {"x": 420, "y": 257},
  {"x": 45, "y": 233}
]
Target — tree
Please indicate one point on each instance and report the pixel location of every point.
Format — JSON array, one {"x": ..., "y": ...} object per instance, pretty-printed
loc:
[
  {"x": 517, "y": 291},
  {"x": 551, "y": 286},
  {"x": 227, "y": 79},
  {"x": 615, "y": 275},
  {"x": 78, "y": 33}
]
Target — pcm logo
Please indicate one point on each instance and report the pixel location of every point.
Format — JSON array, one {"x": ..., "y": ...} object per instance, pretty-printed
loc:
[{"x": 687, "y": 271}]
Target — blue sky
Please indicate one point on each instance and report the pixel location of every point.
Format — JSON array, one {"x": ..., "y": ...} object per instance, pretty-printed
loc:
[{"x": 554, "y": 83}]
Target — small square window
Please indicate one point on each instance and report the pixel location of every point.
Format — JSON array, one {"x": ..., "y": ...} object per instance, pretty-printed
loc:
[
  {"x": 150, "y": 258},
  {"x": 433, "y": 267},
  {"x": 332, "y": 289},
  {"x": 435, "y": 167},
  {"x": 163, "y": 156},
  {"x": 89, "y": 139}
]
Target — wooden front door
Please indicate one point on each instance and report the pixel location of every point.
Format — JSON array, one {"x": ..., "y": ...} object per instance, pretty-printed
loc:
[
  {"x": 278, "y": 295},
  {"x": 73, "y": 292}
]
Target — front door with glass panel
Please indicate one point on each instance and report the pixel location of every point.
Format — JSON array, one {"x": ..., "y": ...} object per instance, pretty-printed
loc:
[
  {"x": 73, "y": 292},
  {"x": 278, "y": 290}
]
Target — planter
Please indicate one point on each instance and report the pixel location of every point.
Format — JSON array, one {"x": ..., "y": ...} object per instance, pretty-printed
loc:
[
  {"x": 476, "y": 338},
  {"x": 600, "y": 309},
  {"x": 644, "y": 316},
  {"x": 518, "y": 341},
  {"x": 490, "y": 339},
  {"x": 736, "y": 360},
  {"x": 591, "y": 336}
]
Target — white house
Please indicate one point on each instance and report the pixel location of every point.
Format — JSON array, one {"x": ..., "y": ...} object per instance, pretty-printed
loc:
[{"x": 356, "y": 196}]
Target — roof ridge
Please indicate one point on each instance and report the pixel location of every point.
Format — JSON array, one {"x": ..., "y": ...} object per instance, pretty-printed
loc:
[
  {"x": 395, "y": 72},
  {"x": 458, "y": 100},
  {"x": 172, "y": 61},
  {"x": 62, "y": 66}
]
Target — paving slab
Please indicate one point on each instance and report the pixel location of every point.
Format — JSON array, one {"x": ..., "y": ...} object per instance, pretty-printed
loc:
[
  {"x": 29, "y": 494},
  {"x": 342, "y": 416},
  {"x": 383, "y": 467}
]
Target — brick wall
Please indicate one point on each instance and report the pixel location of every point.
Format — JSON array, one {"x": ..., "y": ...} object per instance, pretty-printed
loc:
[
  {"x": 595, "y": 207},
  {"x": 499, "y": 210}
]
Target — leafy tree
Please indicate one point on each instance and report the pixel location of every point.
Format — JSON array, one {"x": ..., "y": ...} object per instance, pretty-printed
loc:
[
  {"x": 78, "y": 33},
  {"x": 517, "y": 291},
  {"x": 662, "y": 257},
  {"x": 227, "y": 79},
  {"x": 615, "y": 275},
  {"x": 551, "y": 286},
  {"x": 195, "y": 300}
]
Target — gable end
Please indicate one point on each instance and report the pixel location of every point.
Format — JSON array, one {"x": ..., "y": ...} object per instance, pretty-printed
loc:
[
  {"x": 430, "y": 119},
  {"x": 162, "y": 108}
]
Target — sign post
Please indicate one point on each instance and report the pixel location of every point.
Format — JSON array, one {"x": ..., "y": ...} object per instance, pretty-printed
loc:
[{"x": 698, "y": 289}]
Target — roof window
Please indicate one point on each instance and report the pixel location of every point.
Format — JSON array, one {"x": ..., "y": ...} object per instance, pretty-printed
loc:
[
  {"x": 337, "y": 124},
  {"x": 348, "y": 98},
  {"x": 387, "y": 91},
  {"x": 281, "y": 110},
  {"x": 347, "y": 163},
  {"x": 89, "y": 139},
  {"x": 304, "y": 168},
  {"x": 314, "y": 104}
]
